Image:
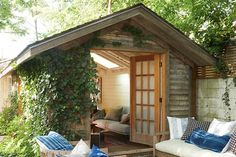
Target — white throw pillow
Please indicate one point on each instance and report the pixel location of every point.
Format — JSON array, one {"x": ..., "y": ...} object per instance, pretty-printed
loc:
[
  {"x": 81, "y": 149},
  {"x": 177, "y": 126},
  {"x": 41, "y": 145},
  {"x": 221, "y": 128}
]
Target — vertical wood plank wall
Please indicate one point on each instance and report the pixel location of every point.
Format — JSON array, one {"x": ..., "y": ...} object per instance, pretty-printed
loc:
[
  {"x": 5, "y": 90},
  {"x": 115, "y": 88},
  {"x": 179, "y": 87}
]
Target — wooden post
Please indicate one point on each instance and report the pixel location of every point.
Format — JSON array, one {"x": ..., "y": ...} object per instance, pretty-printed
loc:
[
  {"x": 194, "y": 92},
  {"x": 18, "y": 93},
  {"x": 163, "y": 87}
]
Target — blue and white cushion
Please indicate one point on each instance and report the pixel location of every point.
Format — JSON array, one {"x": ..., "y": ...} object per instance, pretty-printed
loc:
[
  {"x": 207, "y": 140},
  {"x": 96, "y": 152},
  {"x": 54, "y": 141},
  {"x": 177, "y": 126}
]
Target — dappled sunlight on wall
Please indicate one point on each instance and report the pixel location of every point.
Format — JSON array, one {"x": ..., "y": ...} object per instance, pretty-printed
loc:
[{"x": 209, "y": 99}]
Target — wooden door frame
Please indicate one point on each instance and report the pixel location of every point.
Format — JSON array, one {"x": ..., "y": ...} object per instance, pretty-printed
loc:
[{"x": 160, "y": 112}]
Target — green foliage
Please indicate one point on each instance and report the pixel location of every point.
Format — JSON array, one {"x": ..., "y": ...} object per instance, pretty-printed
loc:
[
  {"x": 63, "y": 15},
  {"x": 207, "y": 22},
  {"x": 226, "y": 101},
  {"x": 8, "y": 20},
  {"x": 8, "y": 114},
  {"x": 20, "y": 140},
  {"x": 234, "y": 81},
  {"x": 138, "y": 36},
  {"x": 56, "y": 88},
  {"x": 222, "y": 68}
]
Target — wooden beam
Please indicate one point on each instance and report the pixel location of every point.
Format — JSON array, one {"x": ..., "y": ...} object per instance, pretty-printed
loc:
[
  {"x": 110, "y": 53},
  {"x": 157, "y": 92},
  {"x": 163, "y": 87},
  {"x": 121, "y": 55},
  {"x": 112, "y": 59},
  {"x": 132, "y": 98}
]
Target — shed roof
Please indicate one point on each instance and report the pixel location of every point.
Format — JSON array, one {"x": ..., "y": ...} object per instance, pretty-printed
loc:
[{"x": 163, "y": 29}]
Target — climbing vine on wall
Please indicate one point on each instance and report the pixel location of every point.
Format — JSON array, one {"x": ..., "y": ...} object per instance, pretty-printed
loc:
[
  {"x": 57, "y": 88},
  {"x": 139, "y": 38},
  {"x": 226, "y": 101}
]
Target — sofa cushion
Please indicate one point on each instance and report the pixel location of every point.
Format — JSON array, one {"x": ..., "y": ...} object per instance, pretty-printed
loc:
[
  {"x": 125, "y": 118},
  {"x": 177, "y": 126},
  {"x": 114, "y": 126},
  {"x": 232, "y": 143},
  {"x": 193, "y": 124},
  {"x": 182, "y": 149},
  {"x": 54, "y": 141},
  {"x": 100, "y": 114},
  {"x": 207, "y": 140},
  {"x": 114, "y": 114},
  {"x": 96, "y": 152},
  {"x": 221, "y": 128},
  {"x": 119, "y": 128},
  {"x": 81, "y": 149}
]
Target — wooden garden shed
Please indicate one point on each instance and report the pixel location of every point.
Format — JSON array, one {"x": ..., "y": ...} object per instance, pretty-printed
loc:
[{"x": 160, "y": 60}]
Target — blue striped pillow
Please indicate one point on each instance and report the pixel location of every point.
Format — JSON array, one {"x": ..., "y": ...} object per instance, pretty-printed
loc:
[
  {"x": 207, "y": 140},
  {"x": 54, "y": 141}
]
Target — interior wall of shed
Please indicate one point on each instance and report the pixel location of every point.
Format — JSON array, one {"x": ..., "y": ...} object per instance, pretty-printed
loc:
[{"x": 115, "y": 88}]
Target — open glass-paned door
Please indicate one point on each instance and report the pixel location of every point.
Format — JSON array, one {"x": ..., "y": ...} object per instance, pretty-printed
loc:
[{"x": 147, "y": 97}]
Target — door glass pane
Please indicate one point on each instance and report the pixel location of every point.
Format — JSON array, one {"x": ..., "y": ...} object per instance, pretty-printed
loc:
[
  {"x": 145, "y": 82},
  {"x": 145, "y": 112},
  {"x": 138, "y": 126},
  {"x": 138, "y": 97},
  {"x": 152, "y": 82},
  {"x": 138, "y": 82},
  {"x": 145, "y": 67},
  {"x": 152, "y": 128},
  {"x": 138, "y": 68},
  {"x": 152, "y": 113},
  {"x": 151, "y": 98},
  {"x": 145, "y": 128},
  {"x": 145, "y": 97},
  {"x": 138, "y": 112},
  {"x": 151, "y": 66}
]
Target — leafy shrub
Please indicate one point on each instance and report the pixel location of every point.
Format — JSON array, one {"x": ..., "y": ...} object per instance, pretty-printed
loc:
[
  {"x": 8, "y": 113},
  {"x": 20, "y": 140}
]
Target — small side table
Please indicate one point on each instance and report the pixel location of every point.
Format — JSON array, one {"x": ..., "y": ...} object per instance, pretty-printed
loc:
[{"x": 95, "y": 139}]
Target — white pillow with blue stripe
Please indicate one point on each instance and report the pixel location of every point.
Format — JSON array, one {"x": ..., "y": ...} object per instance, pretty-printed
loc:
[
  {"x": 54, "y": 141},
  {"x": 177, "y": 126}
]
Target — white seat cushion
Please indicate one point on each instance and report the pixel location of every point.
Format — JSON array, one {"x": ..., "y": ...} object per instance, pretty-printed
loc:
[
  {"x": 119, "y": 128},
  {"x": 114, "y": 126},
  {"x": 182, "y": 149}
]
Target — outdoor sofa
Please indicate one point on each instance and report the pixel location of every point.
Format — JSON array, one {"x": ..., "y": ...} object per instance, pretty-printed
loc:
[
  {"x": 180, "y": 148},
  {"x": 114, "y": 120}
]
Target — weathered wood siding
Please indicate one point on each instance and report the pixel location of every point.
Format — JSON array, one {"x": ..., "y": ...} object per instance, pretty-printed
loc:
[
  {"x": 179, "y": 87},
  {"x": 5, "y": 90}
]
